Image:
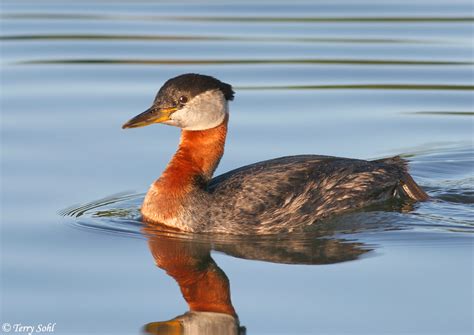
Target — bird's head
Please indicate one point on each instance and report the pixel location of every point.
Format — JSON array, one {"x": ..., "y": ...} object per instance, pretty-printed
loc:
[{"x": 190, "y": 101}]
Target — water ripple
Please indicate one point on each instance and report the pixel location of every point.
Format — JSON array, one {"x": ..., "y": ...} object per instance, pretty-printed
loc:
[
  {"x": 239, "y": 19},
  {"x": 443, "y": 113},
  {"x": 295, "y": 39},
  {"x": 361, "y": 87},
  {"x": 246, "y": 61}
]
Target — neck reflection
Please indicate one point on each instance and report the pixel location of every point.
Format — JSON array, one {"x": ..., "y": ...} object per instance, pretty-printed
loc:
[{"x": 205, "y": 287}]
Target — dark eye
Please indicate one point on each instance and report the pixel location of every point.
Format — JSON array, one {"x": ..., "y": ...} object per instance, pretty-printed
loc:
[{"x": 183, "y": 99}]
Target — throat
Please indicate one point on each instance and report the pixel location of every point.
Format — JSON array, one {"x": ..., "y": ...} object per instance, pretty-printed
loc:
[
  {"x": 190, "y": 170},
  {"x": 197, "y": 157}
]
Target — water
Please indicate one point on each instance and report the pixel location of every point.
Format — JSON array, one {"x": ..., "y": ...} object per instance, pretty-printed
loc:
[{"x": 347, "y": 78}]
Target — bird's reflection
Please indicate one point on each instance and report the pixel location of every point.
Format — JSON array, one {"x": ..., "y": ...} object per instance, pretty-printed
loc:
[{"x": 205, "y": 287}]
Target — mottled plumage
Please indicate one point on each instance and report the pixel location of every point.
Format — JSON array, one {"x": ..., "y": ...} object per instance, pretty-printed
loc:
[
  {"x": 290, "y": 192},
  {"x": 267, "y": 197}
]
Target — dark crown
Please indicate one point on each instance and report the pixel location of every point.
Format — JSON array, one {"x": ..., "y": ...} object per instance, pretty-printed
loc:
[{"x": 192, "y": 84}]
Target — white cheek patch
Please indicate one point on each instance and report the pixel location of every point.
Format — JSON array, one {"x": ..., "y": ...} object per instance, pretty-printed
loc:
[{"x": 204, "y": 111}]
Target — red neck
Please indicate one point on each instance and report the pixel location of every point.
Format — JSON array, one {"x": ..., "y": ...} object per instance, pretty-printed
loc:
[
  {"x": 198, "y": 154},
  {"x": 192, "y": 166}
]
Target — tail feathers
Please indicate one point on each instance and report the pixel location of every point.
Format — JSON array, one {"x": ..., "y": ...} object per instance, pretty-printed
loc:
[
  {"x": 396, "y": 160},
  {"x": 407, "y": 185},
  {"x": 412, "y": 189}
]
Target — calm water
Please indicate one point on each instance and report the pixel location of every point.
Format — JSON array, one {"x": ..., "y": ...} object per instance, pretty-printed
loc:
[{"x": 364, "y": 79}]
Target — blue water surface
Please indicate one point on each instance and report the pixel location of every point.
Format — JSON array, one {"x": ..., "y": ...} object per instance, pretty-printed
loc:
[{"x": 362, "y": 79}]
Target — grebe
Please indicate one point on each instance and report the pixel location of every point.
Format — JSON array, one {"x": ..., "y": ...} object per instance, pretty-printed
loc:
[{"x": 266, "y": 197}]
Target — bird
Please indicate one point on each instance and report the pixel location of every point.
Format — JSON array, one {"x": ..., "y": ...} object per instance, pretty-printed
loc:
[{"x": 268, "y": 197}]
